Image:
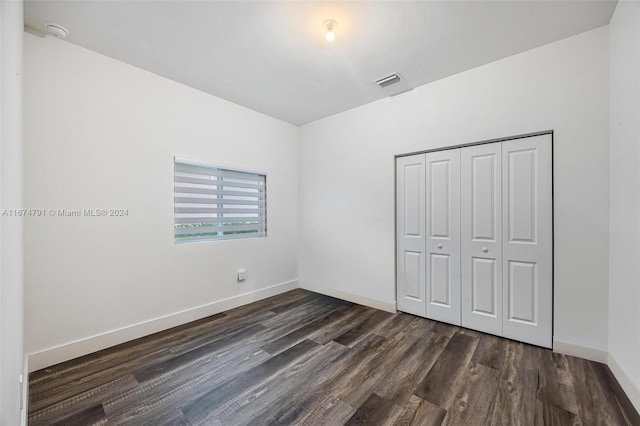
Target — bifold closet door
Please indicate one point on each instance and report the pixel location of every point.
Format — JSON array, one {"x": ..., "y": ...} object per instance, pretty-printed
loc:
[
  {"x": 481, "y": 180},
  {"x": 410, "y": 232},
  {"x": 443, "y": 236},
  {"x": 475, "y": 238},
  {"x": 527, "y": 240}
]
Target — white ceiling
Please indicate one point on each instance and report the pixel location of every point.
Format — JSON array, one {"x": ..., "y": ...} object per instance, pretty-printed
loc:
[{"x": 272, "y": 57}]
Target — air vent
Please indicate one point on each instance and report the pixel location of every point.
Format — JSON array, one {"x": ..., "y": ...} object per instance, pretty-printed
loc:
[{"x": 388, "y": 80}]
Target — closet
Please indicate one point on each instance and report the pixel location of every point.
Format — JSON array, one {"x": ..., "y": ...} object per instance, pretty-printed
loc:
[{"x": 475, "y": 238}]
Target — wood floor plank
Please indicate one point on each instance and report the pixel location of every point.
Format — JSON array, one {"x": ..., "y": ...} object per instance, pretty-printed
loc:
[
  {"x": 185, "y": 358},
  {"x": 550, "y": 415},
  {"x": 198, "y": 410},
  {"x": 156, "y": 398},
  {"x": 355, "y": 385},
  {"x": 327, "y": 410},
  {"x": 532, "y": 356},
  {"x": 225, "y": 363},
  {"x": 172, "y": 390},
  {"x": 177, "y": 418},
  {"x": 355, "y": 315},
  {"x": 220, "y": 330},
  {"x": 490, "y": 352},
  {"x": 308, "y": 297},
  {"x": 248, "y": 406},
  {"x": 375, "y": 410},
  {"x": 400, "y": 383},
  {"x": 418, "y": 412},
  {"x": 301, "y": 314},
  {"x": 475, "y": 400},
  {"x": 444, "y": 329},
  {"x": 555, "y": 384},
  {"x": 303, "y": 332},
  {"x": 226, "y": 338},
  {"x": 92, "y": 416},
  {"x": 419, "y": 327},
  {"x": 314, "y": 400},
  {"x": 69, "y": 389},
  {"x": 516, "y": 399},
  {"x": 595, "y": 399},
  {"x": 360, "y": 331},
  {"x": 447, "y": 371},
  {"x": 399, "y": 322},
  {"x": 266, "y": 305},
  {"x": 82, "y": 401},
  {"x": 352, "y": 383},
  {"x": 469, "y": 332}
]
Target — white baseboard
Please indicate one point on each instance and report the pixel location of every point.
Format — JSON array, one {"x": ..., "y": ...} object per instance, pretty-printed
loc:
[
  {"x": 632, "y": 390},
  {"x": 355, "y": 298},
  {"x": 75, "y": 349},
  {"x": 24, "y": 406},
  {"x": 568, "y": 348}
]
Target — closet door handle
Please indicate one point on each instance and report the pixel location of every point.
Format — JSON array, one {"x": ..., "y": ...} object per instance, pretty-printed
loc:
[
  {"x": 485, "y": 250},
  {"x": 439, "y": 246}
]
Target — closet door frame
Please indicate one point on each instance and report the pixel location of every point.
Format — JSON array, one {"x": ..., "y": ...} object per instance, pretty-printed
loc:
[{"x": 483, "y": 142}]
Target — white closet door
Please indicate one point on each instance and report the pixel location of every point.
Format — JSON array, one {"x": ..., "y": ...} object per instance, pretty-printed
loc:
[
  {"x": 527, "y": 230},
  {"x": 481, "y": 238},
  {"x": 443, "y": 236},
  {"x": 410, "y": 204}
]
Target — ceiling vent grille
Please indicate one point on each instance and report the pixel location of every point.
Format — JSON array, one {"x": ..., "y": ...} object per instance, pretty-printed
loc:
[{"x": 388, "y": 80}]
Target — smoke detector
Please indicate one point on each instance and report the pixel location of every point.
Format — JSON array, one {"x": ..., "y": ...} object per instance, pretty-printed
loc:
[{"x": 56, "y": 30}]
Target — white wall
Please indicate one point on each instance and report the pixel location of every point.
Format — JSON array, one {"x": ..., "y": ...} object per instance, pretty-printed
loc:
[
  {"x": 11, "y": 259},
  {"x": 102, "y": 134},
  {"x": 624, "y": 210},
  {"x": 347, "y": 174}
]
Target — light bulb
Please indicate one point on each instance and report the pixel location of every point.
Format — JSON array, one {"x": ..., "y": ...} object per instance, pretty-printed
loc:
[
  {"x": 330, "y": 35},
  {"x": 330, "y": 24}
]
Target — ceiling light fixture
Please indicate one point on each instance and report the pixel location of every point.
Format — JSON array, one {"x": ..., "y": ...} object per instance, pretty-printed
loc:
[{"x": 330, "y": 24}]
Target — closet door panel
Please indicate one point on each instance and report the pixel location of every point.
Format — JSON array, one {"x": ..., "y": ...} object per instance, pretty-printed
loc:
[
  {"x": 527, "y": 248},
  {"x": 484, "y": 282},
  {"x": 482, "y": 238},
  {"x": 410, "y": 234},
  {"x": 443, "y": 236}
]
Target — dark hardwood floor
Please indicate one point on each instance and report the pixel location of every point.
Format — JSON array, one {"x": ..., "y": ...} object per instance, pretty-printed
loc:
[{"x": 303, "y": 358}]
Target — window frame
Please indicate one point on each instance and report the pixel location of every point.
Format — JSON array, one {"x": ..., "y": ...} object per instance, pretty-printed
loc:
[{"x": 261, "y": 195}]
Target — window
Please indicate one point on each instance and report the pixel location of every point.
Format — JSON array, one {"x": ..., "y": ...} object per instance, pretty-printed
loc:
[{"x": 216, "y": 203}]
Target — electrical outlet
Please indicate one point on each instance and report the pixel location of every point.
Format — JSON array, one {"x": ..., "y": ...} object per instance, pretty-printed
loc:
[{"x": 242, "y": 275}]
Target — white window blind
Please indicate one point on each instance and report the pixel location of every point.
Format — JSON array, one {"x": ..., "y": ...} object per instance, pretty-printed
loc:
[{"x": 215, "y": 203}]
